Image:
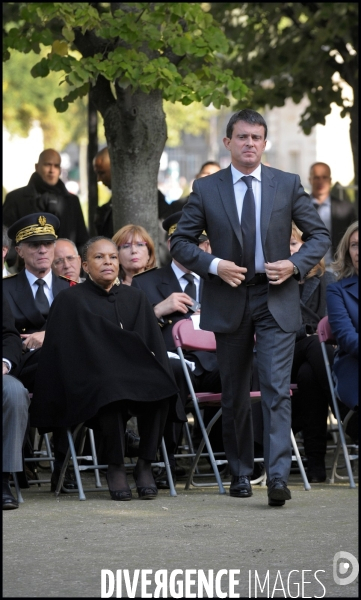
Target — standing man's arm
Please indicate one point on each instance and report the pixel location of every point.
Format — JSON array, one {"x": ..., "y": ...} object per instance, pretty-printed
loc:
[{"x": 185, "y": 240}]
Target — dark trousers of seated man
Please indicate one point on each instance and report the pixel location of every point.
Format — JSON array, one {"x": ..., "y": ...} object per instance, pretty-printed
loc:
[{"x": 111, "y": 422}]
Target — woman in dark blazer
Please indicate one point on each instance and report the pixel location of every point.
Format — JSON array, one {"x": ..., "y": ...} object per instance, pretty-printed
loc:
[
  {"x": 310, "y": 403},
  {"x": 342, "y": 304}
]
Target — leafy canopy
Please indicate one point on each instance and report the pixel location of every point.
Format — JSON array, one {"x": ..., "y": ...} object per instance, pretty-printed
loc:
[
  {"x": 172, "y": 47},
  {"x": 292, "y": 49}
]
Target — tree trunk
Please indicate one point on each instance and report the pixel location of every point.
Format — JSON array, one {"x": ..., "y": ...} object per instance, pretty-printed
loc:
[
  {"x": 136, "y": 132},
  {"x": 92, "y": 150}
]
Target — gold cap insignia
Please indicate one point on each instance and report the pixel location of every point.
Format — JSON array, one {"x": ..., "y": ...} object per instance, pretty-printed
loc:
[
  {"x": 42, "y": 221},
  {"x": 172, "y": 229}
]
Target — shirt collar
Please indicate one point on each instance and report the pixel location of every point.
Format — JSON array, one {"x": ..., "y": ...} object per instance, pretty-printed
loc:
[
  {"x": 236, "y": 175},
  {"x": 32, "y": 278},
  {"x": 179, "y": 273},
  {"x": 326, "y": 202}
]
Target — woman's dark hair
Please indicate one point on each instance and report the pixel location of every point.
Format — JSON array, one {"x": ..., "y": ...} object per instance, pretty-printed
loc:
[
  {"x": 249, "y": 116},
  {"x": 92, "y": 241}
]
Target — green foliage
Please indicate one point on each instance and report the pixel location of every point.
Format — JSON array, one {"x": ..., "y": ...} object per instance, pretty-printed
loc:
[
  {"x": 172, "y": 47},
  {"x": 26, "y": 100},
  {"x": 290, "y": 49}
]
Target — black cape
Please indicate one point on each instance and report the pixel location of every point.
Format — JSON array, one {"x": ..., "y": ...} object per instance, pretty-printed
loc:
[{"x": 99, "y": 347}]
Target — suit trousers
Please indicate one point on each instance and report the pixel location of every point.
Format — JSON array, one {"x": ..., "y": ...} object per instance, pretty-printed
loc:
[
  {"x": 16, "y": 404},
  {"x": 235, "y": 357},
  {"x": 112, "y": 420}
]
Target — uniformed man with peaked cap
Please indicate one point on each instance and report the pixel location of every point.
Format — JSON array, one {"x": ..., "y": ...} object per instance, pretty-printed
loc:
[{"x": 31, "y": 292}]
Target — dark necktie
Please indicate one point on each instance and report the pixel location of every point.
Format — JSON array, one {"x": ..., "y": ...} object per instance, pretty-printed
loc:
[
  {"x": 248, "y": 227},
  {"x": 190, "y": 288},
  {"x": 41, "y": 300}
]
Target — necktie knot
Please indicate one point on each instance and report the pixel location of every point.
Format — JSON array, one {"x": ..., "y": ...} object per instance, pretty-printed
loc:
[
  {"x": 189, "y": 277},
  {"x": 248, "y": 180},
  {"x": 40, "y": 282},
  {"x": 190, "y": 289}
]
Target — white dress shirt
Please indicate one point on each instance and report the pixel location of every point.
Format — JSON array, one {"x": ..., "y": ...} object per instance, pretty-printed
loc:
[
  {"x": 183, "y": 282},
  {"x": 47, "y": 287},
  {"x": 240, "y": 189}
]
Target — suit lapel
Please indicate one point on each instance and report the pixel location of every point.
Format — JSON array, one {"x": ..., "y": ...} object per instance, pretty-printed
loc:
[
  {"x": 351, "y": 286},
  {"x": 24, "y": 300},
  {"x": 268, "y": 187},
  {"x": 226, "y": 190},
  {"x": 169, "y": 283}
]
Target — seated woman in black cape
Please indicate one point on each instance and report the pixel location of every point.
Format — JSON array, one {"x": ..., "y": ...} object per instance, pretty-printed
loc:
[{"x": 103, "y": 360}]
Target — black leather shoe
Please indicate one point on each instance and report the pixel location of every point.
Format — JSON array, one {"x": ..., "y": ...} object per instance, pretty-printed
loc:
[
  {"x": 131, "y": 444},
  {"x": 278, "y": 492},
  {"x": 161, "y": 479},
  {"x": 240, "y": 487},
  {"x": 69, "y": 482},
  {"x": 9, "y": 502}
]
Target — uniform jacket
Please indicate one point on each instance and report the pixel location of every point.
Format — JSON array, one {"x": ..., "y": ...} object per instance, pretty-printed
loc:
[
  {"x": 212, "y": 207},
  {"x": 18, "y": 293},
  {"x": 99, "y": 348}
]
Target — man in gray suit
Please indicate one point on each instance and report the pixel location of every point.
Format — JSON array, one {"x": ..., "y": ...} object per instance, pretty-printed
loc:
[{"x": 251, "y": 288}]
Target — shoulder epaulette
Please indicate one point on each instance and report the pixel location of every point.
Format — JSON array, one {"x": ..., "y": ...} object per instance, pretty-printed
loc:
[
  {"x": 144, "y": 272},
  {"x": 71, "y": 281}
]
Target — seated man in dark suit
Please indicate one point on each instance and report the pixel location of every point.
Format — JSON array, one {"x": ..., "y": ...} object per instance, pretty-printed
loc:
[
  {"x": 172, "y": 291},
  {"x": 15, "y": 406},
  {"x": 30, "y": 294}
]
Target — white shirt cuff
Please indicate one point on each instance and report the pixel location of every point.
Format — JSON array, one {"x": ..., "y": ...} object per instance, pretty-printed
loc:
[
  {"x": 214, "y": 266},
  {"x": 8, "y": 363}
]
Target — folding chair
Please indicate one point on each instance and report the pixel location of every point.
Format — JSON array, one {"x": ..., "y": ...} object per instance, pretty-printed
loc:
[
  {"x": 39, "y": 455},
  {"x": 326, "y": 336},
  {"x": 187, "y": 338},
  {"x": 72, "y": 456}
]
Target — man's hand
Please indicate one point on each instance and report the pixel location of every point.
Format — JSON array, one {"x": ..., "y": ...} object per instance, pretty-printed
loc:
[
  {"x": 5, "y": 369},
  {"x": 231, "y": 273},
  {"x": 176, "y": 302},
  {"x": 279, "y": 271},
  {"x": 33, "y": 341}
]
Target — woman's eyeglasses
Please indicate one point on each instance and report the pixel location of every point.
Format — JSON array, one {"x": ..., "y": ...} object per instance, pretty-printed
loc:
[{"x": 128, "y": 246}]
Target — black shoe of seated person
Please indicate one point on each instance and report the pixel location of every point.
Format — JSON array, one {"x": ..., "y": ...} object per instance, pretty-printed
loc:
[{"x": 69, "y": 482}]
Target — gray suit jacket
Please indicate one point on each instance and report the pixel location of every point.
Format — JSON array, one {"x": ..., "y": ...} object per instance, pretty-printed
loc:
[{"x": 212, "y": 207}]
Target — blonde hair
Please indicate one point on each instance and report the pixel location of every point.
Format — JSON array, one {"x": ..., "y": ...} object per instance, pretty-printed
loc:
[
  {"x": 319, "y": 269},
  {"x": 342, "y": 265},
  {"x": 123, "y": 234}
]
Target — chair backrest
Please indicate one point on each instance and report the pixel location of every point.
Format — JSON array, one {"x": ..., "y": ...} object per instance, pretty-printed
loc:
[
  {"x": 188, "y": 338},
  {"x": 324, "y": 332}
]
